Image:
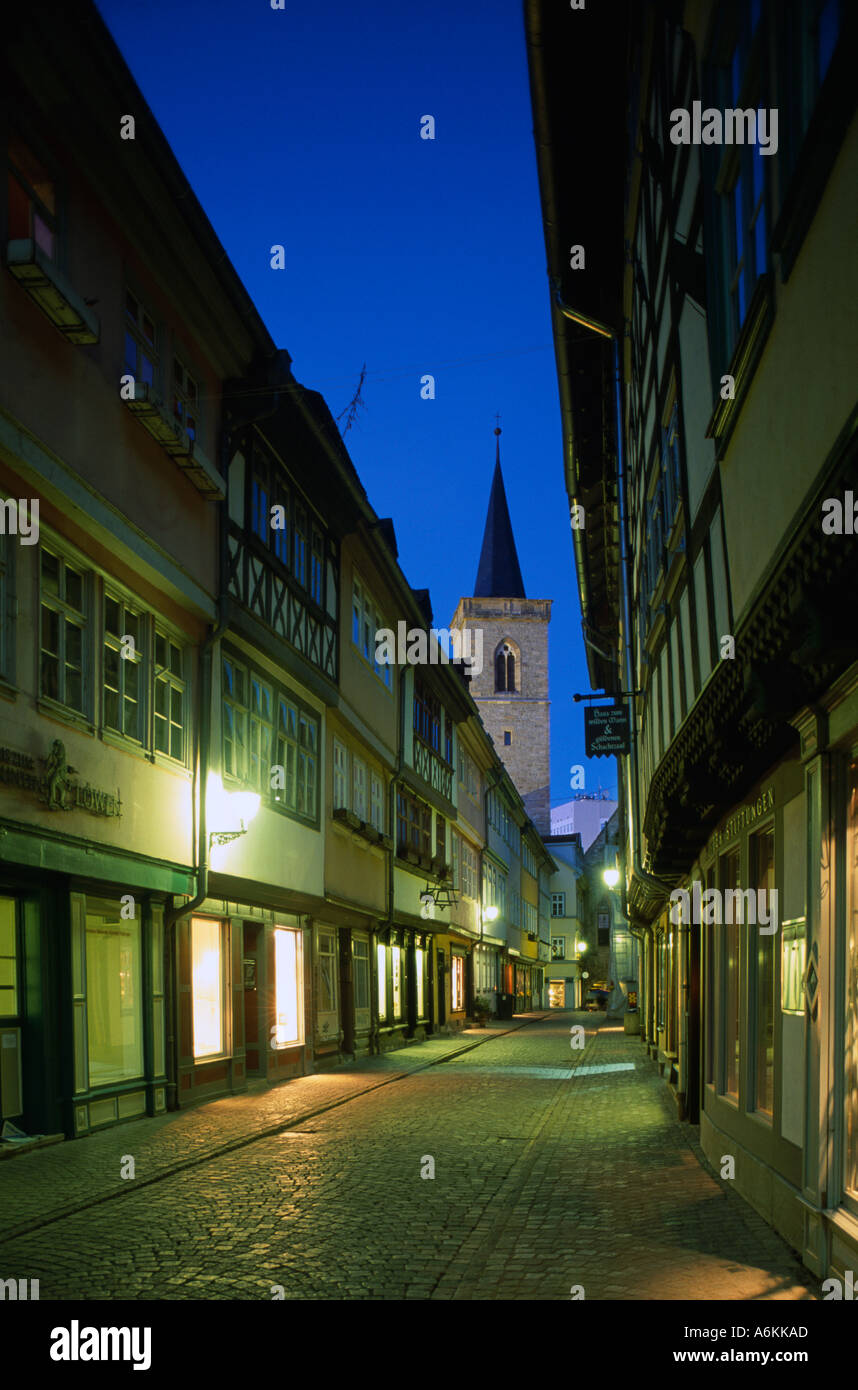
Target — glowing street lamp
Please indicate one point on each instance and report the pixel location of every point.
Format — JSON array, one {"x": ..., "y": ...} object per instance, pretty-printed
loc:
[
  {"x": 491, "y": 914},
  {"x": 611, "y": 877}
]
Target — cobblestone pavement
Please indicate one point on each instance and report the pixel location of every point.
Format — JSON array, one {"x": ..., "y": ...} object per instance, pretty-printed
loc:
[{"x": 552, "y": 1169}]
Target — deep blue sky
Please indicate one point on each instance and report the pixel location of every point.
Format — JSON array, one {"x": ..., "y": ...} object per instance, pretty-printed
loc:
[{"x": 301, "y": 127}]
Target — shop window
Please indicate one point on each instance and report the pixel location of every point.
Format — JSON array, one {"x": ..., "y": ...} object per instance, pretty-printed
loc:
[
  {"x": 457, "y": 984},
  {"x": 731, "y": 980},
  {"x": 64, "y": 632},
  {"x": 793, "y": 961},
  {"x": 207, "y": 966},
  {"x": 711, "y": 968},
  {"x": 420, "y": 955},
  {"x": 114, "y": 999},
  {"x": 360, "y": 957},
  {"x": 8, "y": 959},
  {"x": 762, "y": 848},
  {"x": 396, "y": 979},
  {"x": 381, "y": 971},
  {"x": 287, "y": 987}
]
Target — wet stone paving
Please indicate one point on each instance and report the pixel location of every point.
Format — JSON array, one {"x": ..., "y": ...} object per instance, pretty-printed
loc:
[{"x": 553, "y": 1169}]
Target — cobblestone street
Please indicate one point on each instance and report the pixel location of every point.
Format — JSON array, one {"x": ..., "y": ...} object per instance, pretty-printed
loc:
[{"x": 553, "y": 1168}]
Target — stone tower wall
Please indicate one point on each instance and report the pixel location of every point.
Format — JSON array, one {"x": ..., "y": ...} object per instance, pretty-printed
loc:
[{"x": 525, "y": 713}]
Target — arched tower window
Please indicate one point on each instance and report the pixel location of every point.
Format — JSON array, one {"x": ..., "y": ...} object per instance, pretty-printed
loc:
[{"x": 505, "y": 667}]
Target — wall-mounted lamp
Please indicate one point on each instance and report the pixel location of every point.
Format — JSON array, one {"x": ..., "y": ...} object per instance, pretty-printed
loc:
[
  {"x": 227, "y": 808},
  {"x": 611, "y": 877}
]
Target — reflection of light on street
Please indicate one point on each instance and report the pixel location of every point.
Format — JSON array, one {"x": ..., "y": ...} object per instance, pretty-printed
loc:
[{"x": 604, "y": 1068}]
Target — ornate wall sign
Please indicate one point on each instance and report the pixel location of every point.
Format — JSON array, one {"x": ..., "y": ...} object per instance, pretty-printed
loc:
[{"x": 56, "y": 783}]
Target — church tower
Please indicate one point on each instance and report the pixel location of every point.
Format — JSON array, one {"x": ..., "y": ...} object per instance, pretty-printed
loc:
[{"x": 511, "y": 691}]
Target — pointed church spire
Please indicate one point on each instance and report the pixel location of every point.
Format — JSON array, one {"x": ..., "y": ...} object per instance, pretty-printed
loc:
[{"x": 498, "y": 574}]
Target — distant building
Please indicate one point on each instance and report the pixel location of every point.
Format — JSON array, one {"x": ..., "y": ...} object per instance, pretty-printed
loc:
[
  {"x": 584, "y": 816},
  {"x": 511, "y": 690}
]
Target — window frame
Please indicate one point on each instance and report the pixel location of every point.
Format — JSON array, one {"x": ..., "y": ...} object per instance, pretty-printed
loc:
[
  {"x": 307, "y": 752},
  {"x": 66, "y": 613}
]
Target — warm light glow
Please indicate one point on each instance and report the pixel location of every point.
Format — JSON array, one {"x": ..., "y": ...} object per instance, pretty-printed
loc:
[
  {"x": 420, "y": 968},
  {"x": 491, "y": 914},
  {"x": 228, "y": 811},
  {"x": 382, "y": 980},
  {"x": 580, "y": 947},
  {"x": 611, "y": 877},
  {"x": 287, "y": 1025},
  {"x": 207, "y": 987}
]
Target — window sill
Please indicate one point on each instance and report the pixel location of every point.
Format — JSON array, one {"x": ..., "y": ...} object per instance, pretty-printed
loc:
[
  {"x": 63, "y": 715},
  {"x": 8, "y": 691},
  {"x": 49, "y": 289}
]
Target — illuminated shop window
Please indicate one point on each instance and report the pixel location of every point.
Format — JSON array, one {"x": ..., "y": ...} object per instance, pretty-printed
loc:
[
  {"x": 382, "y": 980},
  {"x": 207, "y": 986},
  {"x": 287, "y": 998},
  {"x": 421, "y": 968},
  {"x": 396, "y": 975},
  {"x": 793, "y": 960},
  {"x": 113, "y": 994},
  {"x": 8, "y": 959},
  {"x": 457, "y": 984}
]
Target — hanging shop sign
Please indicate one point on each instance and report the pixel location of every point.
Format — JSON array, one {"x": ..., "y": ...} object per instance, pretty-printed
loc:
[
  {"x": 57, "y": 785},
  {"x": 606, "y": 730}
]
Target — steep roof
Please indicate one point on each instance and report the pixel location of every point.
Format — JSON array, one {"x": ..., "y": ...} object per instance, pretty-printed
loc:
[{"x": 499, "y": 573}]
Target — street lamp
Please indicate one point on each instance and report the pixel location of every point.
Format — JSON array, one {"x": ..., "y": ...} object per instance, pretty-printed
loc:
[{"x": 611, "y": 877}]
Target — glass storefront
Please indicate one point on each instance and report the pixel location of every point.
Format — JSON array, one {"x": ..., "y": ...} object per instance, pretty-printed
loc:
[
  {"x": 287, "y": 991},
  {"x": 114, "y": 993},
  {"x": 207, "y": 987}
]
